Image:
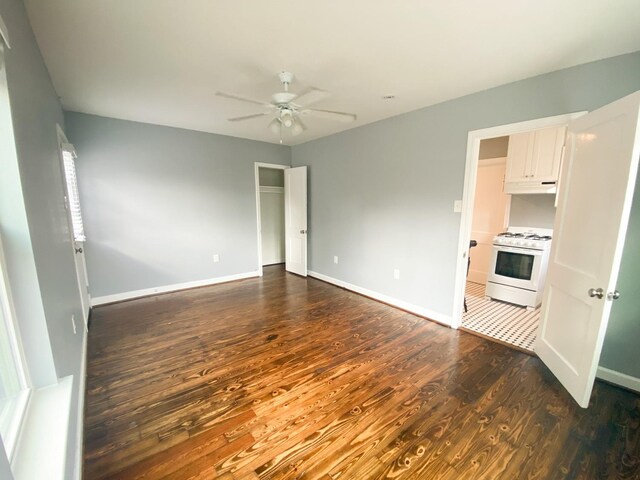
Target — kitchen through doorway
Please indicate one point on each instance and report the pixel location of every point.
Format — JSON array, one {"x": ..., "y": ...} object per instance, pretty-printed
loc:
[{"x": 511, "y": 231}]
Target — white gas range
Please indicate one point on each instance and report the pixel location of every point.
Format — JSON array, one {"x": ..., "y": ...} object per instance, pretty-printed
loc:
[{"x": 518, "y": 266}]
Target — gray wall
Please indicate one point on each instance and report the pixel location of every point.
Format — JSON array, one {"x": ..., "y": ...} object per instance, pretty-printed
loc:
[
  {"x": 159, "y": 202},
  {"x": 532, "y": 210},
  {"x": 5, "y": 468},
  {"x": 381, "y": 196},
  {"x": 620, "y": 351},
  {"x": 41, "y": 241}
]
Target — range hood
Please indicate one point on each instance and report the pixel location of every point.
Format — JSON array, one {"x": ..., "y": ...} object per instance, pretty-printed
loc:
[{"x": 530, "y": 187}]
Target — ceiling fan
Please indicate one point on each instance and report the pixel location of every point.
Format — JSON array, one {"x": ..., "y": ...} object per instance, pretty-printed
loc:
[{"x": 287, "y": 108}]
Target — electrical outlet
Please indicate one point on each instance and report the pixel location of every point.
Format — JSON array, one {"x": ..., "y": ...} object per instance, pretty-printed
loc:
[
  {"x": 73, "y": 323},
  {"x": 335, "y": 259},
  {"x": 216, "y": 258},
  {"x": 396, "y": 274}
]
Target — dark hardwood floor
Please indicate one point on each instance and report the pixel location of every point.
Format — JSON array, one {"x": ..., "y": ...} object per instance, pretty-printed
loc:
[{"x": 285, "y": 377}]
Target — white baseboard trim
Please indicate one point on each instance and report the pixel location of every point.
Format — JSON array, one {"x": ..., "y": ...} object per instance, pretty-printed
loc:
[
  {"x": 409, "y": 307},
  {"x": 273, "y": 262},
  {"x": 119, "y": 297},
  {"x": 617, "y": 378}
]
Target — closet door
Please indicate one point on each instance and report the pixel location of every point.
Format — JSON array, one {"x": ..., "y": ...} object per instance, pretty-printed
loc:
[{"x": 295, "y": 211}]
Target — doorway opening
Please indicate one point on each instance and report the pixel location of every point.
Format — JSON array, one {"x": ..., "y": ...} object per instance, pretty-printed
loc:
[
  {"x": 270, "y": 213},
  {"x": 511, "y": 178}
]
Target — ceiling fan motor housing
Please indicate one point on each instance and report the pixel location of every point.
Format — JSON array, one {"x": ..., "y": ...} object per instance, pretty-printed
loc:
[
  {"x": 282, "y": 98},
  {"x": 286, "y": 78}
]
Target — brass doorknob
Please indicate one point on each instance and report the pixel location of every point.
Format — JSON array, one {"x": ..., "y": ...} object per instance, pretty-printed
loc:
[
  {"x": 613, "y": 295},
  {"x": 596, "y": 292}
]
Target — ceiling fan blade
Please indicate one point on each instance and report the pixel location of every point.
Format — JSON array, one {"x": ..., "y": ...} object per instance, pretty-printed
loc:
[
  {"x": 331, "y": 115},
  {"x": 242, "y": 99},
  {"x": 310, "y": 96},
  {"x": 246, "y": 117}
]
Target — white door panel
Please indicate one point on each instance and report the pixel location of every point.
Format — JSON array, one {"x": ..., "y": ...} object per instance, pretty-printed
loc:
[
  {"x": 594, "y": 203},
  {"x": 83, "y": 281},
  {"x": 72, "y": 205},
  {"x": 295, "y": 211}
]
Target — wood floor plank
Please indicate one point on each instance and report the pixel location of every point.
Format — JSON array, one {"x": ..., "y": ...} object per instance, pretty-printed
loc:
[{"x": 284, "y": 378}]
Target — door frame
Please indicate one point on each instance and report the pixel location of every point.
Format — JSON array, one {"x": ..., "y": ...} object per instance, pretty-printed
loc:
[
  {"x": 469, "y": 192},
  {"x": 62, "y": 139},
  {"x": 257, "y": 166}
]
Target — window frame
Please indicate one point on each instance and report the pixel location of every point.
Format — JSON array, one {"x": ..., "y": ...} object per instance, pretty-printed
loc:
[
  {"x": 18, "y": 407},
  {"x": 14, "y": 413}
]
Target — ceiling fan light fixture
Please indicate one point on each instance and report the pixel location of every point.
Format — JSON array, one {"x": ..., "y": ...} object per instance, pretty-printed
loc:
[
  {"x": 275, "y": 126},
  {"x": 297, "y": 128},
  {"x": 286, "y": 117}
]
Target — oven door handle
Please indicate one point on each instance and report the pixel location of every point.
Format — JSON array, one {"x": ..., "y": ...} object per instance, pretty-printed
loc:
[{"x": 521, "y": 251}]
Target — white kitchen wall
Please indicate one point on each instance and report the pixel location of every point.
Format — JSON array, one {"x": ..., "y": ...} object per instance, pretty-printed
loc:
[
  {"x": 533, "y": 210},
  {"x": 490, "y": 215},
  {"x": 494, "y": 148}
]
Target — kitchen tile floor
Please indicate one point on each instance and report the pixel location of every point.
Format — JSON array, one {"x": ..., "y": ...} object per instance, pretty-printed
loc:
[{"x": 502, "y": 321}]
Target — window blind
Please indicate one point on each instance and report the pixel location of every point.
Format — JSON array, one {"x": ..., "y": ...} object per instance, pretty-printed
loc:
[{"x": 73, "y": 198}]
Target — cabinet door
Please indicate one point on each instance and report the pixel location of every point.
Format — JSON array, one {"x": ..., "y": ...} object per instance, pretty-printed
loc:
[
  {"x": 519, "y": 157},
  {"x": 547, "y": 154}
]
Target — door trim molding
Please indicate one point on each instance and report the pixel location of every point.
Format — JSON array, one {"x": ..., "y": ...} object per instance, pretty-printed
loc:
[
  {"x": 469, "y": 191},
  {"x": 617, "y": 378},
  {"x": 257, "y": 166}
]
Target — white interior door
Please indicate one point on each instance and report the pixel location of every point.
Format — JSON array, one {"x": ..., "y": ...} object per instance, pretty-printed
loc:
[
  {"x": 83, "y": 281},
  {"x": 74, "y": 218},
  {"x": 599, "y": 174},
  {"x": 295, "y": 217}
]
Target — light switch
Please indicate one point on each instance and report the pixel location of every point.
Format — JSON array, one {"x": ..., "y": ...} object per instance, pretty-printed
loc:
[
  {"x": 335, "y": 259},
  {"x": 457, "y": 206}
]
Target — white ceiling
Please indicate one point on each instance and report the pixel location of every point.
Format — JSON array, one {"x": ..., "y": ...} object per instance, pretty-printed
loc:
[{"x": 161, "y": 61}]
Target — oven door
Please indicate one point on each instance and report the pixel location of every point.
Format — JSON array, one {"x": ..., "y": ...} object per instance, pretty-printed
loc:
[{"x": 516, "y": 267}]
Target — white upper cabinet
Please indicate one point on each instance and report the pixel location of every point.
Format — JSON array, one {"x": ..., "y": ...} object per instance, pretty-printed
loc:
[
  {"x": 519, "y": 157},
  {"x": 533, "y": 161}
]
